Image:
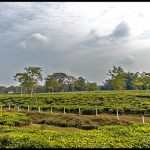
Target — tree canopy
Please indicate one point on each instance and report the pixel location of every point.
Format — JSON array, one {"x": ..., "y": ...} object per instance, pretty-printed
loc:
[{"x": 117, "y": 79}]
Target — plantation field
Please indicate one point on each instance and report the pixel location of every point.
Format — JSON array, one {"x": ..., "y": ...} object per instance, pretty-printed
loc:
[
  {"x": 113, "y": 136},
  {"x": 111, "y": 133},
  {"x": 13, "y": 119},
  {"x": 23, "y": 128},
  {"x": 86, "y": 122},
  {"x": 128, "y": 102}
]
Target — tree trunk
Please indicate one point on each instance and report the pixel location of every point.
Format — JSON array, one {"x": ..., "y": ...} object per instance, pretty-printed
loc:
[
  {"x": 64, "y": 110},
  {"x": 28, "y": 108},
  {"x": 31, "y": 91},
  {"x": 96, "y": 111},
  {"x": 79, "y": 111},
  {"x": 117, "y": 115},
  {"x": 143, "y": 119},
  {"x": 51, "y": 89},
  {"x": 21, "y": 90}
]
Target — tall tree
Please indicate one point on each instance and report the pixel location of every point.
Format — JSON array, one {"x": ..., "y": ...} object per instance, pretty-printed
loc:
[
  {"x": 35, "y": 76},
  {"x": 65, "y": 81},
  {"x": 3, "y": 89},
  {"x": 144, "y": 79},
  {"x": 107, "y": 85},
  {"x": 30, "y": 78},
  {"x": 52, "y": 83},
  {"x": 131, "y": 80},
  {"x": 40, "y": 89},
  {"x": 117, "y": 78},
  {"x": 23, "y": 79},
  {"x": 80, "y": 84},
  {"x": 91, "y": 86}
]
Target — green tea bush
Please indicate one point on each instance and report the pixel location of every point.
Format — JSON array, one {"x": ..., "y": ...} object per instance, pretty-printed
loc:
[
  {"x": 59, "y": 122},
  {"x": 13, "y": 119},
  {"x": 114, "y": 110},
  {"x": 129, "y": 101},
  {"x": 89, "y": 127},
  {"x": 88, "y": 111},
  {"x": 110, "y": 136}
]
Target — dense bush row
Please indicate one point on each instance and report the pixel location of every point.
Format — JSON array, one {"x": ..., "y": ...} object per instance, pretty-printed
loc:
[
  {"x": 13, "y": 119},
  {"x": 133, "y": 102},
  {"x": 133, "y": 136}
]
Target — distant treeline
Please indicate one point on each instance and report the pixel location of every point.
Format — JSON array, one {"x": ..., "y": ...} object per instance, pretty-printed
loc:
[
  {"x": 118, "y": 79},
  {"x": 56, "y": 82},
  {"x": 121, "y": 80}
]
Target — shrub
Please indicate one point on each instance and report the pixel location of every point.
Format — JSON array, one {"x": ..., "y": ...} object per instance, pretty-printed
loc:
[
  {"x": 89, "y": 127},
  {"x": 14, "y": 119},
  {"x": 88, "y": 111}
]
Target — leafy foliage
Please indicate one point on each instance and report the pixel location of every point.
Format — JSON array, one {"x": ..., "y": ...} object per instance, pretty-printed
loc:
[
  {"x": 113, "y": 136},
  {"x": 30, "y": 78},
  {"x": 133, "y": 102},
  {"x": 13, "y": 119}
]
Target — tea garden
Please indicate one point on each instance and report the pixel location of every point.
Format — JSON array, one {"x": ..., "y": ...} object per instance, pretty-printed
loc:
[{"x": 89, "y": 130}]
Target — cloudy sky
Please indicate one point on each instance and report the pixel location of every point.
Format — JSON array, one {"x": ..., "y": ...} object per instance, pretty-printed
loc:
[{"x": 79, "y": 38}]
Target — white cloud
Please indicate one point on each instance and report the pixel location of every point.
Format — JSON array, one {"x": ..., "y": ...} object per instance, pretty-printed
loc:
[{"x": 39, "y": 38}]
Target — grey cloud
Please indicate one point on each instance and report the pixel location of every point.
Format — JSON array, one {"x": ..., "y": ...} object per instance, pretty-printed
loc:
[
  {"x": 50, "y": 36},
  {"x": 91, "y": 39},
  {"x": 91, "y": 64},
  {"x": 4, "y": 26},
  {"x": 22, "y": 44},
  {"x": 137, "y": 62},
  {"x": 127, "y": 60},
  {"x": 121, "y": 31}
]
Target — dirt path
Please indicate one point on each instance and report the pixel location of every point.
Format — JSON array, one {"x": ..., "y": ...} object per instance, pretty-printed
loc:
[{"x": 51, "y": 127}]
